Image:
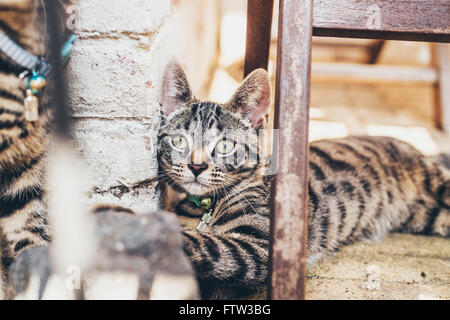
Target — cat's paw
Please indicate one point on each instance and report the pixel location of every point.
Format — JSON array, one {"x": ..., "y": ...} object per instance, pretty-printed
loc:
[{"x": 137, "y": 257}]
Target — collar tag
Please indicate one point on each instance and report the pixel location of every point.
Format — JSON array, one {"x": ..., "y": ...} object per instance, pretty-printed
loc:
[
  {"x": 31, "y": 106},
  {"x": 206, "y": 205},
  {"x": 204, "y": 223}
]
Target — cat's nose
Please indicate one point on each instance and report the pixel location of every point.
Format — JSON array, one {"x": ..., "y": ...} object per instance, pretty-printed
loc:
[{"x": 197, "y": 168}]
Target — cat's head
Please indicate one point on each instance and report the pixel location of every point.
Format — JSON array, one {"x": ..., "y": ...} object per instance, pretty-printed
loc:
[{"x": 206, "y": 147}]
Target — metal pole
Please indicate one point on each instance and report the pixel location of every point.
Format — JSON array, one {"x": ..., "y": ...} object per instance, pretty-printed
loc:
[
  {"x": 289, "y": 209},
  {"x": 259, "y": 27},
  {"x": 73, "y": 240},
  {"x": 57, "y": 90}
]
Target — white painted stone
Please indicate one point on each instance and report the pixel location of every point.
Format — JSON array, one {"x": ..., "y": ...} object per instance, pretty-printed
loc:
[
  {"x": 118, "y": 155},
  {"x": 119, "y": 152},
  {"x": 173, "y": 287},
  {"x": 142, "y": 201},
  {"x": 112, "y": 286},
  {"x": 122, "y": 16},
  {"x": 56, "y": 289},
  {"x": 112, "y": 78}
]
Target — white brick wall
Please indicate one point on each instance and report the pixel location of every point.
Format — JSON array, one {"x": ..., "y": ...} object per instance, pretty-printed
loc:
[
  {"x": 114, "y": 83},
  {"x": 134, "y": 17}
]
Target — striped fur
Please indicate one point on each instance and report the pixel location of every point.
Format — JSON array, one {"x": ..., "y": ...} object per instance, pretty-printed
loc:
[
  {"x": 365, "y": 187},
  {"x": 359, "y": 188},
  {"x": 22, "y": 144}
]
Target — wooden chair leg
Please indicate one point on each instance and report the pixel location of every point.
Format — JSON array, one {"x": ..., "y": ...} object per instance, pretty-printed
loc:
[
  {"x": 289, "y": 209},
  {"x": 441, "y": 59},
  {"x": 259, "y": 26}
]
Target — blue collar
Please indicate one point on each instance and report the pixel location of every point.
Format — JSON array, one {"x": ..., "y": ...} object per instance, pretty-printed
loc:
[{"x": 33, "y": 66}]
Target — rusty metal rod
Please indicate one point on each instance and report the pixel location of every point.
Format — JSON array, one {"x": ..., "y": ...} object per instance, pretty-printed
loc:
[
  {"x": 289, "y": 208},
  {"x": 57, "y": 90},
  {"x": 259, "y": 27}
]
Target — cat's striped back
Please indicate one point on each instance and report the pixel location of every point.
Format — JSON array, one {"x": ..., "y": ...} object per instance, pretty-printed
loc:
[{"x": 364, "y": 187}]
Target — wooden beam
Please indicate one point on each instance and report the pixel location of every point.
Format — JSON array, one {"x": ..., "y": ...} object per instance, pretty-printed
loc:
[
  {"x": 259, "y": 26},
  {"x": 375, "y": 51},
  {"x": 289, "y": 207},
  {"x": 344, "y": 42},
  {"x": 441, "y": 60},
  {"x": 372, "y": 74},
  {"x": 417, "y": 20}
]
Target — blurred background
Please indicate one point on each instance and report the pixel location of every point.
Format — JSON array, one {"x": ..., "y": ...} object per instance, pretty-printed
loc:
[{"x": 359, "y": 86}]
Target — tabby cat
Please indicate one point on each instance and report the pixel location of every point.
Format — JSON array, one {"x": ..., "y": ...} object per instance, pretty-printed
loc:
[
  {"x": 210, "y": 158},
  {"x": 22, "y": 143}
]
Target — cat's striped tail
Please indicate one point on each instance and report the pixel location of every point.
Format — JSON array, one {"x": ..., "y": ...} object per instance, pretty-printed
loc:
[
  {"x": 442, "y": 223},
  {"x": 438, "y": 217}
]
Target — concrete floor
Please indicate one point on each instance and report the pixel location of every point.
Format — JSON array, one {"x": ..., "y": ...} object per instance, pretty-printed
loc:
[{"x": 399, "y": 267}]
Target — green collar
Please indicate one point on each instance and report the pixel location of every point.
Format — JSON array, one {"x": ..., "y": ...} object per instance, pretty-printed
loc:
[{"x": 204, "y": 203}]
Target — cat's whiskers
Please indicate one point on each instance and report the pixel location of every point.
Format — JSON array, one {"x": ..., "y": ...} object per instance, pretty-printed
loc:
[
  {"x": 236, "y": 193},
  {"x": 171, "y": 183},
  {"x": 230, "y": 194}
]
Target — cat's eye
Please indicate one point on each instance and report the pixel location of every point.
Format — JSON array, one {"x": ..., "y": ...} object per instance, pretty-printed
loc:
[
  {"x": 180, "y": 142},
  {"x": 224, "y": 147}
]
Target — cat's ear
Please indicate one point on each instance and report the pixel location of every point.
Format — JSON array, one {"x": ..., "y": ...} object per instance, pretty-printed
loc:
[
  {"x": 252, "y": 98},
  {"x": 175, "y": 89}
]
